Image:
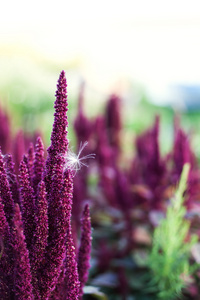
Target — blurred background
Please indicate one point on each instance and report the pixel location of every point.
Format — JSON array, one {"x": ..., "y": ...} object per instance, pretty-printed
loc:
[{"x": 147, "y": 52}]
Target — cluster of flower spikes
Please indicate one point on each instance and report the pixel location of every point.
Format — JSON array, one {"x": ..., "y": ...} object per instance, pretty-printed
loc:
[
  {"x": 38, "y": 256},
  {"x": 148, "y": 178},
  {"x": 145, "y": 186}
]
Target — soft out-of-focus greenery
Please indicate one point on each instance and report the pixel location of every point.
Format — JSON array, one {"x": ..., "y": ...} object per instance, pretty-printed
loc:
[
  {"x": 169, "y": 258},
  {"x": 27, "y": 88}
]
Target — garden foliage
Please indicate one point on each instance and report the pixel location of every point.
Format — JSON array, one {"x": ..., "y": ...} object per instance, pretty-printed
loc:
[{"x": 169, "y": 258}]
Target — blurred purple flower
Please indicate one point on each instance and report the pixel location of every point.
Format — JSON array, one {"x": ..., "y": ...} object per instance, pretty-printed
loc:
[{"x": 84, "y": 248}]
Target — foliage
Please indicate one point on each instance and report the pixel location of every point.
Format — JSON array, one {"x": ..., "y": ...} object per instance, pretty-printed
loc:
[{"x": 169, "y": 258}]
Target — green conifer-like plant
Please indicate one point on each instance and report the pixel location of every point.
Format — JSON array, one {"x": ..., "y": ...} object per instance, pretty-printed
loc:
[{"x": 169, "y": 257}]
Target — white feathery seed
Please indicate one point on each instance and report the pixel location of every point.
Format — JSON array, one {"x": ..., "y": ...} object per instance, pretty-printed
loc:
[{"x": 74, "y": 161}]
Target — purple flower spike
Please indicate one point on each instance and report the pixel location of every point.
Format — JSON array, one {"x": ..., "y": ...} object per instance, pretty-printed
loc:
[
  {"x": 28, "y": 203},
  {"x": 82, "y": 125},
  {"x": 72, "y": 282},
  {"x": 182, "y": 152},
  {"x": 3, "y": 222},
  {"x": 59, "y": 142},
  {"x": 6, "y": 257},
  {"x": 38, "y": 164},
  {"x": 55, "y": 201},
  {"x": 69, "y": 274},
  {"x": 5, "y": 192},
  {"x": 12, "y": 178},
  {"x": 22, "y": 273},
  {"x": 40, "y": 236},
  {"x": 67, "y": 195},
  {"x": 5, "y": 131},
  {"x": 113, "y": 121},
  {"x": 18, "y": 148},
  {"x": 84, "y": 249},
  {"x": 57, "y": 234},
  {"x": 31, "y": 156},
  {"x": 41, "y": 233}
]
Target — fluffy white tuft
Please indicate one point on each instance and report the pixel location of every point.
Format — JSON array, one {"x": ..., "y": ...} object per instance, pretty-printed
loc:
[{"x": 75, "y": 162}]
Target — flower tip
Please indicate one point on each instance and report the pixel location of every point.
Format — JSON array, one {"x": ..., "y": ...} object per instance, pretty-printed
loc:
[
  {"x": 39, "y": 142},
  {"x": 86, "y": 210},
  {"x": 62, "y": 73}
]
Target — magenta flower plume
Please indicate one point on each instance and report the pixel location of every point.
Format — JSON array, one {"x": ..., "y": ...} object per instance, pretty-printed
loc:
[
  {"x": 12, "y": 178},
  {"x": 59, "y": 142},
  {"x": 6, "y": 257},
  {"x": 113, "y": 121},
  {"x": 5, "y": 131},
  {"x": 41, "y": 232},
  {"x": 84, "y": 249},
  {"x": 56, "y": 238},
  {"x": 38, "y": 164},
  {"x": 71, "y": 276},
  {"x": 68, "y": 282},
  {"x": 53, "y": 177},
  {"x": 38, "y": 258},
  {"x": 71, "y": 269},
  {"x": 18, "y": 148},
  {"x": 22, "y": 271},
  {"x": 40, "y": 237},
  {"x": 31, "y": 157},
  {"x": 82, "y": 125},
  {"x": 28, "y": 203},
  {"x": 182, "y": 152},
  {"x": 5, "y": 191},
  {"x": 149, "y": 168},
  {"x": 3, "y": 221}
]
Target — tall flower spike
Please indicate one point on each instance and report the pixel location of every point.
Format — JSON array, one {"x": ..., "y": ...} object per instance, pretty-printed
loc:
[
  {"x": 72, "y": 282},
  {"x": 84, "y": 249},
  {"x": 5, "y": 192},
  {"x": 22, "y": 272},
  {"x": 6, "y": 261},
  {"x": 18, "y": 149},
  {"x": 5, "y": 131},
  {"x": 69, "y": 268},
  {"x": 55, "y": 200},
  {"x": 28, "y": 203},
  {"x": 82, "y": 125},
  {"x": 68, "y": 283},
  {"x": 40, "y": 237},
  {"x": 12, "y": 178},
  {"x": 53, "y": 177},
  {"x": 31, "y": 156},
  {"x": 59, "y": 142},
  {"x": 57, "y": 234},
  {"x": 38, "y": 164},
  {"x": 113, "y": 121}
]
